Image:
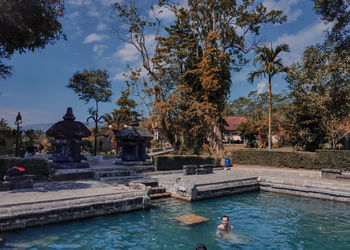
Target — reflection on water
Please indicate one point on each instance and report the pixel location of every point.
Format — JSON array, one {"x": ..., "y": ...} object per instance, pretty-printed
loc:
[
  {"x": 233, "y": 237},
  {"x": 261, "y": 221}
]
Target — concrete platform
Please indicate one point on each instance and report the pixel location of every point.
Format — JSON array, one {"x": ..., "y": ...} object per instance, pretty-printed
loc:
[{"x": 62, "y": 201}]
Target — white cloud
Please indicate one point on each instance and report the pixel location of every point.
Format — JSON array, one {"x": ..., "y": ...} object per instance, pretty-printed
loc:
[
  {"x": 298, "y": 42},
  {"x": 261, "y": 86},
  {"x": 73, "y": 15},
  {"x": 99, "y": 49},
  {"x": 286, "y": 6},
  {"x": 162, "y": 13},
  {"x": 119, "y": 76},
  {"x": 101, "y": 26},
  {"x": 129, "y": 53},
  {"x": 93, "y": 11},
  {"x": 76, "y": 2},
  {"x": 94, "y": 38},
  {"x": 124, "y": 75}
]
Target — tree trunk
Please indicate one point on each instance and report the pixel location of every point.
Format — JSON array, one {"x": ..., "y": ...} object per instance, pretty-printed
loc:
[
  {"x": 96, "y": 128},
  {"x": 270, "y": 110}
]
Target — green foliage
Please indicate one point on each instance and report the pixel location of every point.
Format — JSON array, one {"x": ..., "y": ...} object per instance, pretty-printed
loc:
[
  {"x": 336, "y": 12},
  {"x": 125, "y": 111},
  {"x": 37, "y": 167},
  {"x": 320, "y": 90},
  {"x": 92, "y": 84},
  {"x": 248, "y": 131},
  {"x": 176, "y": 162},
  {"x": 26, "y": 26},
  {"x": 256, "y": 105},
  {"x": 271, "y": 65},
  {"x": 307, "y": 160}
]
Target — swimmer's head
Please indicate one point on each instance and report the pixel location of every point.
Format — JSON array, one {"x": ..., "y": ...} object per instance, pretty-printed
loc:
[
  {"x": 225, "y": 220},
  {"x": 201, "y": 247}
]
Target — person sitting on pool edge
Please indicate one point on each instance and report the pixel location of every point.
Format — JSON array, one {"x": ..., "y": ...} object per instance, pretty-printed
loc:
[{"x": 225, "y": 223}]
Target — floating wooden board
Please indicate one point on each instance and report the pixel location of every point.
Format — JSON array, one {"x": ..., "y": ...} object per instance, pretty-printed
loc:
[{"x": 189, "y": 219}]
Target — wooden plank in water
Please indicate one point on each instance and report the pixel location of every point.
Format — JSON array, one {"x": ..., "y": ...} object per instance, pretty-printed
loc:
[{"x": 189, "y": 219}]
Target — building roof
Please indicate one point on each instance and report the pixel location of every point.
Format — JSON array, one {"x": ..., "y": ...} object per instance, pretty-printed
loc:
[{"x": 233, "y": 122}]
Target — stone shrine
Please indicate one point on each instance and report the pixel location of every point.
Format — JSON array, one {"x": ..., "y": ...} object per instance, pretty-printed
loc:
[
  {"x": 133, "y": 140},
  {"x": 68, "y": 136}
]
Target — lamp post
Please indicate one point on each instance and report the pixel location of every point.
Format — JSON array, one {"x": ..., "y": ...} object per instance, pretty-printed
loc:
[
  {"x": 96, "y": 119},
  {"x": 18, "y": 122}
]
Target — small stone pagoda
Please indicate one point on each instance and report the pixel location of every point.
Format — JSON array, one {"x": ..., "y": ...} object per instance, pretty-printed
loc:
[
  {"x": 68, "y": 136},
  {"x": 133, "y": 140}
]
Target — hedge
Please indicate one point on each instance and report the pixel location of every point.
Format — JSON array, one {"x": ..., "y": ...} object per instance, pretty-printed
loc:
[
  {"x": 34, "y": 166},
  {"x": 307, "y": 160},
  {"x": 176, "y": 162}
]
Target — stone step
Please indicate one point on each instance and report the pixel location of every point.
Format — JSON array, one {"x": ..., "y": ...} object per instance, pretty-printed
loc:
[
  {"x": 121, "y": 178},
  {"x": 150, "y": 183},
  {"x": 113, "y": 173},
  {"x": 157, "y": 190},
  {"x": 160, "y": 195}
]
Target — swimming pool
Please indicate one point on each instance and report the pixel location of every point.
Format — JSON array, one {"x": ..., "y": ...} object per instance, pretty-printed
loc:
[{"x": 262, "y": 220}]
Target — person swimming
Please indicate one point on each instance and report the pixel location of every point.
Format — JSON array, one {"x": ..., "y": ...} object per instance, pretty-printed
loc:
[{"x": 225, "y": 223}]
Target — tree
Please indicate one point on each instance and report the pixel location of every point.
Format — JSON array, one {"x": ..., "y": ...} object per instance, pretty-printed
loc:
[
  {"x": 271, "y": 66},
  {"x": 27, "y": 25},
  {"x": 320, "y": 88},
  {"x": 248, "y": 130},
  {"x": 125, "y": 111},
  {"x": 182, "y": 52},
  {"x": 92, "y": 84},
  {"x": 336, "y": 12}
]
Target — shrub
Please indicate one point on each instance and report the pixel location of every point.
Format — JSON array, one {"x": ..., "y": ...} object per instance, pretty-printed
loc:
[
  {"x": 34, "y": 166},
  {"x": 307, "y": 160},
  {"x": 176, "y": 162}
]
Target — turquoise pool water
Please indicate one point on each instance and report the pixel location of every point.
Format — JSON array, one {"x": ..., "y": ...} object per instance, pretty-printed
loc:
[{"x": 262, "y": 220}]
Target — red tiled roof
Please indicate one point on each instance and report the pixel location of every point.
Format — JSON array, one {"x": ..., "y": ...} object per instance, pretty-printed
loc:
[{"x": 233, "y": 122}]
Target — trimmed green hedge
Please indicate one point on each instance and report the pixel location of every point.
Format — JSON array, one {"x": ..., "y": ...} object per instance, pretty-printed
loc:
[
  {"x": 176, "y": 162},
  {"x": 34, "y": 166},
  {"x": 339, "y": 159}
]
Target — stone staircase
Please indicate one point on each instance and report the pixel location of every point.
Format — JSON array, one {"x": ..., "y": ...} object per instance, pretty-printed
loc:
[
  {"x": 115, "y": 173},
  {"x": 157, "y": 192}
]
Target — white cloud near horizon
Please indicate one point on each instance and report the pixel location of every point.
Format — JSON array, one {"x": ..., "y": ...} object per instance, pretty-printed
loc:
[
  {"x": 287, "y": 6},
  {"x": 93, "y": 37},
  {"x": 298, "y": 42},
  {"x": 29, "y": 116}
]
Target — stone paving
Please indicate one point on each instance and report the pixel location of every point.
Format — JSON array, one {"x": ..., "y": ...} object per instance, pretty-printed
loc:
[{"x": 92, "y": 198}]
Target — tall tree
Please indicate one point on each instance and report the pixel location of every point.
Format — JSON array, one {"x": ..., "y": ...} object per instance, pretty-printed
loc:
[
  {"x": 27, "y": 25},
  {"x": 230, "y": 21},
  {"x": 271, "y": 66},
  {"x": 320, "y": 88},
  {"x": 92, "y": 84}
]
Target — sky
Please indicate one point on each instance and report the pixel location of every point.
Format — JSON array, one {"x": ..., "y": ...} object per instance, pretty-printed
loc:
[{"x": 38, "y": 89}]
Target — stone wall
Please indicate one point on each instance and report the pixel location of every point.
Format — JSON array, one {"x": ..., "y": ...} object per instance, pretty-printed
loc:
[{"x": 60, "y": 211}]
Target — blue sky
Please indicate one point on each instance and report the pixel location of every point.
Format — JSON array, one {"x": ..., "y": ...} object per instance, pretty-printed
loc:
[{"x": 38, "y": 89}]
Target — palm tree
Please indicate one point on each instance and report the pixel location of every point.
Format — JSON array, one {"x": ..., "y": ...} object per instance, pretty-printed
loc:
[{"x": 271, "y": 65}]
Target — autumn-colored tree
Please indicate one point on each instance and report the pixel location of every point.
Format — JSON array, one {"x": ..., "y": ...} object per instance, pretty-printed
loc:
[
  {"x": 271, "y": 66},
  {"x": 181, "y": 54}
]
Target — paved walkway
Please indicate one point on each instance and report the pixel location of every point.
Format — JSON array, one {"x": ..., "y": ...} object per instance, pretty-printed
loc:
[{"x": 79, "y": 189}]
